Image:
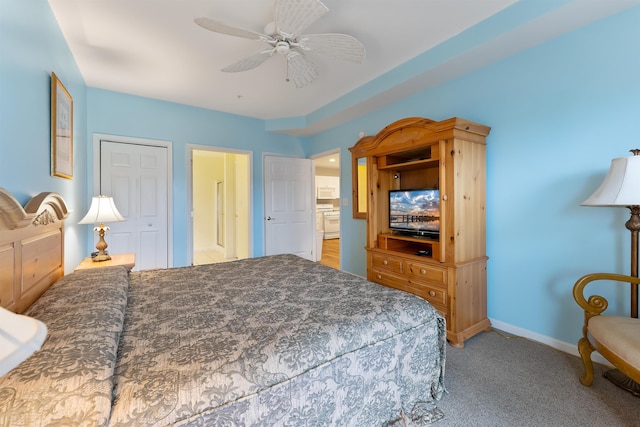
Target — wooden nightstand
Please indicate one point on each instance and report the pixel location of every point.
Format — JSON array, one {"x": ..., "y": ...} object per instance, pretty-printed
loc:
[{"x": 128, "y": 260}]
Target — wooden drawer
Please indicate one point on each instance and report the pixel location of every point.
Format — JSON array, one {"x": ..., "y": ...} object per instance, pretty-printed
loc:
[
  {"x": 436, "y": 295},
  {"x": 426, "y": 272},
  {"x": 384, "y": 278},
  {"x": 387, "y": 263}
]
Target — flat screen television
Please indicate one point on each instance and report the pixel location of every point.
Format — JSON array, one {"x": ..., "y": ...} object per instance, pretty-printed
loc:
[{"x": 415, "y": 212}]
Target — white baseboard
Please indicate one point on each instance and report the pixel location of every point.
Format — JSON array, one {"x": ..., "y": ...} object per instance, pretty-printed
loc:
[{"x": 551, "y": 342}]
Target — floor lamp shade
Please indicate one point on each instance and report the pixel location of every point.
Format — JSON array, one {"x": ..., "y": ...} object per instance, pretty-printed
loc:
[
  {"x": 621, "y": 186},
  {"x": 20, "y": 336}
]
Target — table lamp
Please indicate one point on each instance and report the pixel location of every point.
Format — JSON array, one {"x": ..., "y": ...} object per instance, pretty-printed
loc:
[
  {"x": 20, "y": 336},
  {"x": 621, "y": 188},
  {"x": 102, "y": 210}
]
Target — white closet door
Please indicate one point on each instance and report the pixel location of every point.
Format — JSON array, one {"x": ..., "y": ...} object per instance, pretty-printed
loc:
[{"x": 136, "y": 176}]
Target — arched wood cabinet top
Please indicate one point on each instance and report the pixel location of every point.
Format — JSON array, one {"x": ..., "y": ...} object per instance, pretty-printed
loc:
[
  {"x": 362, "y": 146},
  {"x": 42, "y": 209},
  {"x": 405, "y": 133}
]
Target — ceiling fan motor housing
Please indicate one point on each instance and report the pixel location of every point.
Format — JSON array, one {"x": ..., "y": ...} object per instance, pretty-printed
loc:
[{"x": 282, "y": 47}]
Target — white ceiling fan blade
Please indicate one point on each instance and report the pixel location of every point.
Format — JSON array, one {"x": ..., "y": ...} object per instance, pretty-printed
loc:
[
  {"x": 294, "y": 16},
  {"x": 250, "y": 62},
  {"x": 339, "y": 46},
  {"x": 300, "y": 69},
  {"x": 221, "y": 28}
]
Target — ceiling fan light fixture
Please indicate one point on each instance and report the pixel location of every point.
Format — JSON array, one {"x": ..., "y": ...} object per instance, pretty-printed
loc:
[{"x": 282, "y": 47}]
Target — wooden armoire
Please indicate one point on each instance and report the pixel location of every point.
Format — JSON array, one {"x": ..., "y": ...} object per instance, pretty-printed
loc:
[{"x": 449, "y": 270}]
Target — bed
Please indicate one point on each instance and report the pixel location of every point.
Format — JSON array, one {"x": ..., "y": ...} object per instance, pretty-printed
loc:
[{"x": 275, "y": 340}]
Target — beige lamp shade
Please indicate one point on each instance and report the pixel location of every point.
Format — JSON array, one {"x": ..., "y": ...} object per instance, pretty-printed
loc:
[
  {"x": 621, "y": 186},
  {"x": 102, "y": 210},
  {"x": 20, "y": 336}
]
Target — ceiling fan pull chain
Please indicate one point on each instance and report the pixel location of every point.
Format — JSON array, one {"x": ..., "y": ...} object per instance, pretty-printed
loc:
[{"x": 287, "y": 65}]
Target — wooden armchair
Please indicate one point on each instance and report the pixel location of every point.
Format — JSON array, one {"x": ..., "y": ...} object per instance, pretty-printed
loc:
[{"x": 616, "y": 338}]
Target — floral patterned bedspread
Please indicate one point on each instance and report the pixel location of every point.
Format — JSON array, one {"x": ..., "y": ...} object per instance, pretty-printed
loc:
[
  {"x": 265, "y": 341},
  {"x": 69, "y": 381},
  {"x": 275, "y": 341}
]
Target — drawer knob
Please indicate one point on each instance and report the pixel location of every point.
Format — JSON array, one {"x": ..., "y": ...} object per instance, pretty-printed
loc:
[
  {"x": 379, "y": 276},
  {"x": 423, "y": 271},
  {"x": 432, "y": 293},
  {"x": 385, "y": 262}
]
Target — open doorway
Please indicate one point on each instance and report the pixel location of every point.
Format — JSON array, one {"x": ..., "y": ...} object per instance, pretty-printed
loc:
[
  {"x": 220, "y": 205},
  {"x": 327, "y": 195}
]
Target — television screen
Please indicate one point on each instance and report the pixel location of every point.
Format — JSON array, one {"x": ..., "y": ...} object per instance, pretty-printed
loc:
[{"x": 415, "y": 211}]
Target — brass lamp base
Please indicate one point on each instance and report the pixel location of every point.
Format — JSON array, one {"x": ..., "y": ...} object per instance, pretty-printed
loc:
[
  {"x": 622, "y": 381},
  {"x": 101, "y": 245},
  {"x": 101, "y": 257}
]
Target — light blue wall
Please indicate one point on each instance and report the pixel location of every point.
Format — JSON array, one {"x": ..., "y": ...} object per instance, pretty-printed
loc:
[
  {"x": 132, "y": 116},
  {"x": 31, "y": 47},
  {"x": 559, "y": 113}
]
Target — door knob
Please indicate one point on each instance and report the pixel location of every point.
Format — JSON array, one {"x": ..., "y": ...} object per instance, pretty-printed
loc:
[{"x": 269, "y": 218}]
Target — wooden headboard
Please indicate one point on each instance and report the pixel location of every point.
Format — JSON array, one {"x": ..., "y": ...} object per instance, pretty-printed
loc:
[{"x": 31, "y": 247}]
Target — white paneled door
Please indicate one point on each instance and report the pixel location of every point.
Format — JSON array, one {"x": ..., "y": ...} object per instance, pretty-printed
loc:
[
  {"x": 137, "y": 178},
  {"x": 289, "y": 216}
]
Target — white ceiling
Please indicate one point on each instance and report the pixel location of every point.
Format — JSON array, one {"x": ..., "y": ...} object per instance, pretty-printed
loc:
[{"x": 152, "y": 48}]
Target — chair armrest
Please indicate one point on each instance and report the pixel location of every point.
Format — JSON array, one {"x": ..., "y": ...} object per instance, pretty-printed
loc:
[
  {"x": 596, "y": 304},
  {"x": 592, "y": 340}
]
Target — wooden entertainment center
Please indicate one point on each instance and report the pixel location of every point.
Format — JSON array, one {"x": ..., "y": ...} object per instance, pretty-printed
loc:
[{"x": 450, "y": 271}]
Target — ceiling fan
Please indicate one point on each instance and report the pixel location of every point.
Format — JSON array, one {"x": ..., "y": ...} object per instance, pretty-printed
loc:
[{"x": 284, "y": 36}]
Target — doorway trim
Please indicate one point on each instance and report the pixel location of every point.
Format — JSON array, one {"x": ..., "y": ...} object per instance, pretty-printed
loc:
[
  {"x": 97, "y": 137},
  {"x": 189, "y": 213}
]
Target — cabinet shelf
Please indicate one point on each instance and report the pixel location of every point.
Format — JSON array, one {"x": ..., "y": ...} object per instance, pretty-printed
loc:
[
  {"x": 416, "y": 159},
  {"x": 414, "y": 164},
  {"x": 408, "y": 245},
  {"x": 408, "y": 238}
]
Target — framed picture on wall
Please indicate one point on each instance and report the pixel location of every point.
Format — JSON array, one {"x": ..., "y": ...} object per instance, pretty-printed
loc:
[{"x": 61, "y": 130}]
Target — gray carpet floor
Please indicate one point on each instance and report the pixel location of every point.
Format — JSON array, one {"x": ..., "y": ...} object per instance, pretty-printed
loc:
[{"x": 503, "y": 380}]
